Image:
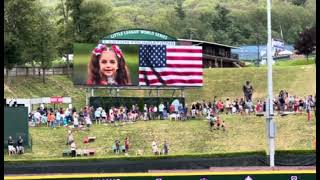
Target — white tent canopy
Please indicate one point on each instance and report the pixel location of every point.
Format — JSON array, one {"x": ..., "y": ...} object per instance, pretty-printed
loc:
[
  {"x": 42, "y": 100},
  {"x": 285, "y": 52}
]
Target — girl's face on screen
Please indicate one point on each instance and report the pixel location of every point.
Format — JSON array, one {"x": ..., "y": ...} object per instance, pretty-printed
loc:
[{"x": 108, "y": 63}]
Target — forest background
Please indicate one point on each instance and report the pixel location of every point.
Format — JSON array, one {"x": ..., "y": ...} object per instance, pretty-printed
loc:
[{"x": 39, "y": 31}]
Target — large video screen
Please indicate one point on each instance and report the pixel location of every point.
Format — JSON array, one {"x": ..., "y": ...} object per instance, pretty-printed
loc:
[{"x": 137, "y": 65}]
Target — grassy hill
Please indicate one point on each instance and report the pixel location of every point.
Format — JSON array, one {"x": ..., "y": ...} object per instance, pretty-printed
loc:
[
  {"x": 223, "y": 83},
  {"x": 228, "y": 82},
  {"x": 192, "y": 137},
  {"x": 244, "y": 133}
]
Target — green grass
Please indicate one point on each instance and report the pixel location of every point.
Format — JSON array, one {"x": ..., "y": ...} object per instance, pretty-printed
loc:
[
  {"x": 32, "y": 87},
  {"x": 244, "y": 134},
  {"x": 220, "y": 82},
  {"x": 286, "y": 62},
  {"x": 228, "y": 82},
  {"x": 297, "y": 62},
  {"x": 185, "y": 138}
]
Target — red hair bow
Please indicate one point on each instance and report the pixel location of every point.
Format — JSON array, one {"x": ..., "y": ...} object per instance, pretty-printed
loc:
[
  {"x": 98, "y": 50},
  {"x": 101, "y": 47}
]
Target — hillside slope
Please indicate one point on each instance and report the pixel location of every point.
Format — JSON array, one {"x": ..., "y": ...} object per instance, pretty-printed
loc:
[{"x": 223, "y": 83}]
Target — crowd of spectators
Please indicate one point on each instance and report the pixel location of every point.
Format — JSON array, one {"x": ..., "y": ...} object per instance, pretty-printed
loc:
[
  {"x": 61, "y": 117},
  {"x": 283, "y": 103},
  {"x": 115, "y": 115},
  {"x": 70, "y": 116},
  {"x": 209, "y": 110}
]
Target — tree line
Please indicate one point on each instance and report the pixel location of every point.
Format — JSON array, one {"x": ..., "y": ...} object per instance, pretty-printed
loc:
[{"x": 36, "y": 33}]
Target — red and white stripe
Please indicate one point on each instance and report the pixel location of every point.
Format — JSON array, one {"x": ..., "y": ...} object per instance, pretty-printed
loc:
[{"x": 184, "y": 68}]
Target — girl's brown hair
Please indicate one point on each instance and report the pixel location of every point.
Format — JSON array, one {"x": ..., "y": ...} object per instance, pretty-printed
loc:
[{"x": 122, "y": 76}]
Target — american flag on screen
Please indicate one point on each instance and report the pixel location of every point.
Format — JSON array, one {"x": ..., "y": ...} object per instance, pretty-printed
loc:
[{"x": 161, "y": 65}]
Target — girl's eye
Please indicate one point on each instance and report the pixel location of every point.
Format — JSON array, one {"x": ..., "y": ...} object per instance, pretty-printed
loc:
[{"x": 112, "y": 61}]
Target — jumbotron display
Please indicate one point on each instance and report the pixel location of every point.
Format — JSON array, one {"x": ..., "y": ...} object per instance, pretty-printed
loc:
[{"x": 137, "y": 65}]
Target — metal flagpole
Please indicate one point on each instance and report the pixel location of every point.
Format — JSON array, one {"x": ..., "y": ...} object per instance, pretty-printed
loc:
[{"x": 270, "y": 122}]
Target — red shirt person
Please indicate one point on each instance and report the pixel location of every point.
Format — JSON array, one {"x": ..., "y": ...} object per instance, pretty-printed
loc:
[{"x": 126, "y": 144}]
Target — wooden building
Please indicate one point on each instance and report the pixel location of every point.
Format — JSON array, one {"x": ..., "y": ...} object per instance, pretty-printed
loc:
[{"x": 214, "y": 55}]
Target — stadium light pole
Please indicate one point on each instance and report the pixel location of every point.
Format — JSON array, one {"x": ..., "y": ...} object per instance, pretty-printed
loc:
[{"x": 269, "y": 120}]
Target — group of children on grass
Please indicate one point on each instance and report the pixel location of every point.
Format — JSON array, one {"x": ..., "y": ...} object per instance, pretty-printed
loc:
[{"x": 117, "y": 148}]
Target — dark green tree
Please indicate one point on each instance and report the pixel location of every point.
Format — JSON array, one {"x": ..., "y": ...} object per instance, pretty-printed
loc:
[
  {"x": 44, "y": 41},
  {"x": 220, "y": 24},
  {"x": 12, "y": 52},
  {"x": 18, "y": 32},
  {"x": 179, "y": 10},
  {"x": 306, "y": 42},
  {"x": 65, "y": 32},
  {"x": 95, "y": 20},
  {"x": 221, "y": 20},
  {"x": 183, "y": 23},
  {"x": 298, "y": 2},
  {"x": 74, "y": 6}
]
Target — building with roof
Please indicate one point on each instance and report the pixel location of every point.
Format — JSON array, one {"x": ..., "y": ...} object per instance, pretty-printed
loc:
[{"x": 215, "y": 55}]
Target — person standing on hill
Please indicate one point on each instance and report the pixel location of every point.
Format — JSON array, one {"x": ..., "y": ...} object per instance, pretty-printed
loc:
[
  {"x": 126, "y": 145},
  {"x": 161, "y": 108},
  {"x": 165, "y": 149},
  {"x": 117, "y": 142},
  {"x": 247, "y": 91}
]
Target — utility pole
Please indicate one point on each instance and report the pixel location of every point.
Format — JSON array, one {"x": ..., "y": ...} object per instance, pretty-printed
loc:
[
  {"x": 258, "y": 56},
  {"x": 269, "y": 121}
]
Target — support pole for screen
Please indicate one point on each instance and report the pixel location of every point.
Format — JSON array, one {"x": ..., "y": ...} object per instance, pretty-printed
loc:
[
  {"x": 110, "y": 92},
  {"x": 92, "y": 92},
  {"x": 117, "y": 92},
  {"x": 182, "y": 92},
  {"x": 174, "y": 91},
  {"x": 87, "y": 96}
]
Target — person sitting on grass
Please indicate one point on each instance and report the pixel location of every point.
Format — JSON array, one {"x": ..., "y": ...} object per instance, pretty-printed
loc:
[
  {"x": 258, "y": 108},
  {"x": 155, "y": 149},
  {"x": 20, "y": 148},
  {"x": 70, "y": 138},
  {"x": 11, "y": 149},
  {"x": 88, "y": 120},
  {"x": 73, "y": 149},
  {"x": 212, "y": 120},
  {"x": 219, "y": 123}
]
